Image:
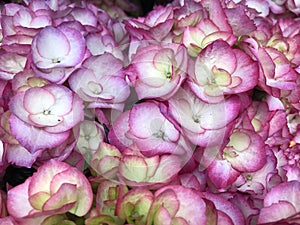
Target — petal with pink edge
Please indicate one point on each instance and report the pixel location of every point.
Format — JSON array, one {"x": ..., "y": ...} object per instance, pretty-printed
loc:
[
  {"x": 38, "y": 138},
  {"x": 221, "y": 173},
  {"x": 84, "y": 191},
  {"x": 65, "y": 195},
  {"x": 18, "y": 204},
  {"x": 40, "y": 181}
]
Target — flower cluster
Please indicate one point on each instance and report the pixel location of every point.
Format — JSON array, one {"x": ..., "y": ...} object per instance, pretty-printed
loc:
[{"x": 187, "y": 115}]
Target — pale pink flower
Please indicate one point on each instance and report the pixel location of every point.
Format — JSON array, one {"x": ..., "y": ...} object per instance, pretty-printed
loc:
[
  {"x": 201, "y": 122},
  {"x": 101, "y": 82},
  {"x": 19, "y": 20},
  {"x": 171, "y": 205},
  {"x": 155, "y": 26},
  {"x": 58, "y": 47},
  {"x": 55, "y": 188},
  {"x": 158, "y": 70},
  {"x": 47, "y": 112},
  {"x": 221, "y": 70}
]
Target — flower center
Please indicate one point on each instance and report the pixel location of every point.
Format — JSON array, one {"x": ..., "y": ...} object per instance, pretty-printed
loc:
[
  {"x": 196, "y": 118},
  {"x": 46, "y": 112},
  {"x": 56, "y": 61},
  {"x": 160, "y": 135}
]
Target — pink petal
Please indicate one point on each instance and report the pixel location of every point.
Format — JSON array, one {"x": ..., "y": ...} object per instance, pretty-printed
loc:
[
  {"x": 20, "y": 156},
  {"x": 42, "y": 179},
  {"x": 284, "y": 192},
  {"x": 84, "y": 191},
  {"x": 276, "y": 212},
  {"x": 17, "y": 200},
  {"x": 222, "y": 174},
  {"x": 65, "y": 195},
  {"x": 16, "y": 106},
  {"x": 117, "y": 133},
  {"x": 38, "y": 138},
  {"x": 72, "y": 118},
  {"x": 68, "y": 50},
  {"x": 45, "y": 47},
  {"x": 63, "y": 99},
  {"x": 252, "y": 157},
  {"x": 225, "y": 206},
  {"x": 223, "y": 219},
  {"x": 193, "y": 215},
  {"x": 102, "y": 65},
  {"x": 162, "y": 216},
  {"x": 139, "y": 123},
  {"x": 167, "y": 197}
]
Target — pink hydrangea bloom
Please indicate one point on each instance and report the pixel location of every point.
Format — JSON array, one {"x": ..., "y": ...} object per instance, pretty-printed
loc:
[
  {"x": 58, "y": 47},
  {"x": 158, "y": 70},
  {"x": 221, "y": 70},
  {"x": 49, "y": 112},
  {"x": 54, "y": 189},
  {"x": 101, "y": 82}
]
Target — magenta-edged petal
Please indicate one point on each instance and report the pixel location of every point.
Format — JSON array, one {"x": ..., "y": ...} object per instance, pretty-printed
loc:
[
  {"x": 58, "y": 47},
  {"x": 221, "y": 173},
  {"x": 80, "y": 78},
  {"x": 37, "y": 200},
  {"x": 174, "y": 198},
  {"x": 85, "y": 16},
  {"x": 8, "y": 220},
  {"x": 16, "y": 106},
  {"x": 168, "y": 199},
  {"x": 20, "y": 156},
  {"x": 84, "y": 193},
  {"x": 198, "y": 117},
  {"x": 217, "y": 14},
  {"x": 276, "y": 212},
  {"x": 42, "y": 179},
  {"x": 117, "y": 133},
  {"x": 103, "y": 65},
  {"x": 223, "y": 219},
  {"x": 245, "y": 65},
  {"x": 63, "y": 99},
  {"x": 137, "y": 120},
  {"x": 73, "y": 117},
  {"x": 18, "y": 204},
  {"x": 162, "y": 216},
  {"x": 225, "y": 206},
  {"x": 45, "y": 40},
  {"x": 141, "y": 200},
  {"x": 230, "y": 107},
  {"x": 167, "y": 169},
  {"x": 245, "y": 151},
  {"x": 154, "y": 146},
  {"x": 65, "y": 195},
  {"x": 109, "y": 88},
  {"x": 208, "y": 138},
  {"x": 77, "y": 46},
  {"x": 38, "y": 138},
  {"x": 284, "y": 192},
  {"x": 36, "y": 100}
]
